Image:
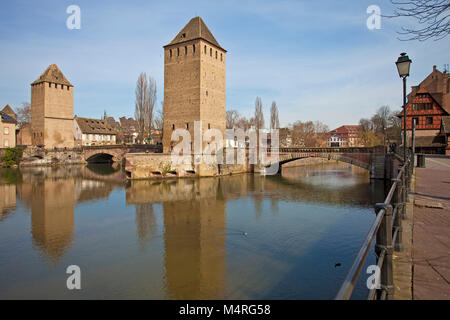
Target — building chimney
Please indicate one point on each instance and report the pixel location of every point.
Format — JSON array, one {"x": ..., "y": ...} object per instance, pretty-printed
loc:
[{"x": 434, "y": 68}]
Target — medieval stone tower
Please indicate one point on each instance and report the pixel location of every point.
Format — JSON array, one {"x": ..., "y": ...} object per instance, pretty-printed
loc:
[
  {"x": 194, "y": 82},
  {"x": 52, "y": 110}
]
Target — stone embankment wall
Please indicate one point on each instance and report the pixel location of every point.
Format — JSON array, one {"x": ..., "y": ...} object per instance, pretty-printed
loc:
[
  {"x": 34, "y": 156},
  {"x": 164, "y": 165}
]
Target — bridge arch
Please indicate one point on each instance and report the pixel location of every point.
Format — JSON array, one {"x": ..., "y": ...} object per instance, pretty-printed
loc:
[
  {"x": 362, "y": 160},
  {"x": 336, "y": 157},
  {"x": 101, "y": 157}
]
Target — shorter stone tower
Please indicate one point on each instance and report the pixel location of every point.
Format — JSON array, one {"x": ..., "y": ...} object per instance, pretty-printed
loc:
[{"x": 52, "y": 110}]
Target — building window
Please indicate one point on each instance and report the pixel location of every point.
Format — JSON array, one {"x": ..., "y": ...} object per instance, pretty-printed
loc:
[
  {"x": 6, "y": 143},
  {"x": 209, "y": 125},
  {"x": 205, "y": 49},
  {"x": 67, "y": 88},
  {"x": 220, "y": 57},
  {"x": 206, "y": 92},
  {"x": 170, "y": 53},
  {"x": 178, "y": 52},
  {"x": 216, "y": 54},
  {"x": 185, "y": 51},
  {"x": 173, "y": 127},
  {"x": 62, "y": 86},
  {"x": 429, "y": 120},
  {"x": 49, "y": 85},
  {"x": 210, "y": 52},
  {"x": 6, "y": 130},
  {"x": 415, "y": 121},
  {"x": 56, "y": 86},
  {"x": 187, "y": 125},
  {"x": 193, "y": 48}
]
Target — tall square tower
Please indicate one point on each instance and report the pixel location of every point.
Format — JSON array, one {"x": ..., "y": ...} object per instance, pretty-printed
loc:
[
  {"x": 194, "y": 82},
  {"x": 52, "y": 110}
]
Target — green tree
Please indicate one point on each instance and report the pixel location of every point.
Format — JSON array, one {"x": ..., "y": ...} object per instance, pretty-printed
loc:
[{"x": 12, "y": 157}]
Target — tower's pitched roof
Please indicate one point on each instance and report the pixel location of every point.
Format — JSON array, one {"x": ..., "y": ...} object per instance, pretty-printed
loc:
[
  {"x": 195, "y": 29},
  {"x": 54, "y": 75}
]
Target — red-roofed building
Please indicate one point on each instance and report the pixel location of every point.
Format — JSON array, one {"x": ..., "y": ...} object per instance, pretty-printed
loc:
[
  {"x": 344, "y": 136},
  {"x": 428, "y": 104}
]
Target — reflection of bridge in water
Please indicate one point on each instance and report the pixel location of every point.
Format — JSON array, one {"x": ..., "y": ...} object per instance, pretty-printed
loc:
[{"x": 280, "y": 188}]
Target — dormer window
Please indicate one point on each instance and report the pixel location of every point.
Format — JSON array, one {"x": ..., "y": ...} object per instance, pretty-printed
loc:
[{"x": 183, "y": 35}]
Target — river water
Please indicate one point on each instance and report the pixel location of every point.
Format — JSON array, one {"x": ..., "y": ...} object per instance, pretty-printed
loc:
[{"x": 290, "y": 236}]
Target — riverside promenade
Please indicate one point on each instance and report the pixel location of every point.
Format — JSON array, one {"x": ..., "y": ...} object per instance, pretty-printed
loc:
[{"x": 431, "y": 231}]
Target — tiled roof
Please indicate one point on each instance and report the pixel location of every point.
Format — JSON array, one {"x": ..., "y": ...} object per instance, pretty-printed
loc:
[
  {"x": 346, "y": 129},
  {"x": 9, "y": 111},
  {"x": 7, "y": 118},
  {"x": 195, "y": 29},
  {"x": 54, "y": 75},
  {"x": 95, "y": 126}
]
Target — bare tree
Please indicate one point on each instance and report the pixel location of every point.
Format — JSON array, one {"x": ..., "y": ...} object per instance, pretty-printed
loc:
[
  {"x": 140, "y": 104},
  {"x": 274, "y": 121},
  {"x": 145, "y": 100},
  {"x": 159, "y": 117},
  {"x": 150, "y": 105},
  {"x": 243, "y": 123},
  {"x": 24, "y": 114},
  {"x": 432, "y": 15},
  {"x": 259, "y": 115},
  {"x": 232, "y": 118},
  {"x": 366, "y": 124}
]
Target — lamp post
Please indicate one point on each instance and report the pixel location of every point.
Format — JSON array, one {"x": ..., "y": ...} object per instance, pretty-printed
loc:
[{"x": 403, "y": 63}]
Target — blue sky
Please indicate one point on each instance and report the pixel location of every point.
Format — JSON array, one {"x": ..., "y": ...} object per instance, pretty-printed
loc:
[{"x": 316, "y": 59}]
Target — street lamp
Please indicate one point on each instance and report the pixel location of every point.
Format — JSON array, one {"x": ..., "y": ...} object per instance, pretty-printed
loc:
[{"x": 403, "y": 64}]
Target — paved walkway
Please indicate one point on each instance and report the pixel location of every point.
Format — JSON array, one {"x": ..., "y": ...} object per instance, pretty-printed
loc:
[{"x": 431, "y": 231}]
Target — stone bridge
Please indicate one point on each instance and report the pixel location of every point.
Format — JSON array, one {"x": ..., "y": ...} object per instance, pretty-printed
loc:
[
  {"x": 374, "y": 159},
  {"x": 115, "y": 153},
  {"x": 33, "y": 155}
]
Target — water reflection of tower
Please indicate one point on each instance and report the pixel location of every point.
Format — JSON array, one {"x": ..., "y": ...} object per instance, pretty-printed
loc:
[
  {"x": 145, "y": 223},
  {"x": 52, "y": 215},
  {"x": 195, "y": 248},
  {"x": 7, "y": 199}
]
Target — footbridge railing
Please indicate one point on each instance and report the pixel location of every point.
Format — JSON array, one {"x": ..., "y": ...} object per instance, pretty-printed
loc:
[{"x": 386, "y": 230}]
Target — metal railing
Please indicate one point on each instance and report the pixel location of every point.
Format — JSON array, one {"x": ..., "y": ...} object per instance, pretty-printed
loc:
[{"x": 386, "y": 230}]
